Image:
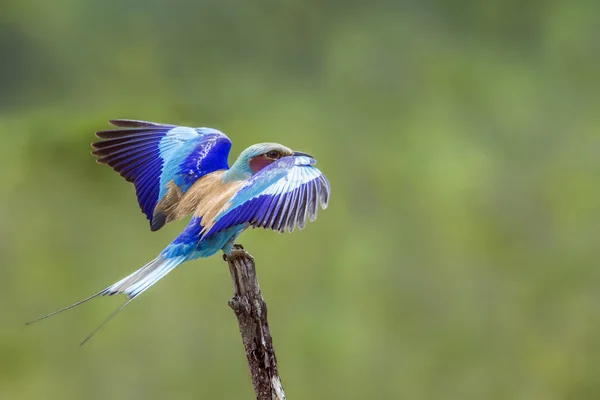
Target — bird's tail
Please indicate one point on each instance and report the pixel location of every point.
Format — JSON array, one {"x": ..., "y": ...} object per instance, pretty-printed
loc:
[
  {"x": 132, "y": 285},
  {"x": 135, "y": 284}
]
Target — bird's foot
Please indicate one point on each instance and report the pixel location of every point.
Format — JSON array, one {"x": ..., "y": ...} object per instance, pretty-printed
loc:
[{"x": 237, "y": 250}]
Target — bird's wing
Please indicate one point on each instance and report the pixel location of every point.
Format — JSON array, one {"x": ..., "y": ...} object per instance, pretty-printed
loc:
[
  {"x": 281, "y": 196},
  {"x": 161, "y": 159}
]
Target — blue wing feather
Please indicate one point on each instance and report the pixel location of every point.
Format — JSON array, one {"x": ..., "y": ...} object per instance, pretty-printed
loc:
[
  {"x": 280, "y": 197},
  {"x": 150, "y": 155},
  {"x": 266, "y": 203}
]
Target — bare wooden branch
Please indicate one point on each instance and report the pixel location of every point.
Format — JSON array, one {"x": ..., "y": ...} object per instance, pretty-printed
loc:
[{"x": 251, "y": 312}]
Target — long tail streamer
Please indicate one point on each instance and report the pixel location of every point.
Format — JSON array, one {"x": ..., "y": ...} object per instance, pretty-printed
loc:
[{"x": 132, "y": 285}]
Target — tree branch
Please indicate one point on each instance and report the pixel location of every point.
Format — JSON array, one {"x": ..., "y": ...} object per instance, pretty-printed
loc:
[{"x": 251, "y": 311}]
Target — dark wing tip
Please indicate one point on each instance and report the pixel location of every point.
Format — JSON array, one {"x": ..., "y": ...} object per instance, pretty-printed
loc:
[
  {"x": 102, "y": 161},
  {"x": 128, "y": 123},
  {"x": 325, "y": 191},
  {"x": 158, "y": 221},
  {"x": 102, "y": 135},
  {"x": 96, "y": 154},
  {"x": 120, "y": 133},
  {"x": 95, "y": 149},
  {"x": 134, "y": 123}
]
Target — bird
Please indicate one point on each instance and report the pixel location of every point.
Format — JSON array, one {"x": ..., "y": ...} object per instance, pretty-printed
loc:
[{"x": 179, "y": 171}]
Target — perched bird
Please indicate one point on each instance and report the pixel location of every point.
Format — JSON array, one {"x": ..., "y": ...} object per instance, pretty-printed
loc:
[{"x": 179, "y": 171}]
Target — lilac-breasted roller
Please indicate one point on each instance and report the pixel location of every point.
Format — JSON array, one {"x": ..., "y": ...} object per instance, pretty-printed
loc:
[{"x": 179, "y": 171}]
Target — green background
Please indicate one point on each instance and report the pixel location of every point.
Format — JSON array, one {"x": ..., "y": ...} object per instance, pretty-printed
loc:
[{"x": 458, "y": 258}]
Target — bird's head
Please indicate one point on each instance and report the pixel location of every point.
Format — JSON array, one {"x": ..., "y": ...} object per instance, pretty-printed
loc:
[{"x": 258, "y": 156}]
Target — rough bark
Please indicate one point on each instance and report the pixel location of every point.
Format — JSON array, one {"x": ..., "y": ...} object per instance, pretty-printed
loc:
[{"x": 251, "y": 312}]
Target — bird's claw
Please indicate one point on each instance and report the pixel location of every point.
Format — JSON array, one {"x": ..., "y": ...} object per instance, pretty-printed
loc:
[{"x": 237, "y": 250}]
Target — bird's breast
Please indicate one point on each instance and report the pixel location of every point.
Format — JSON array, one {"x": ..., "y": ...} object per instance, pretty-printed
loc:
[{"x": 208, "y": 196}]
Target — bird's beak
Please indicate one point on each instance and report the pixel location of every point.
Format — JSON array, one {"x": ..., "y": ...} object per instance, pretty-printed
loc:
[{"x": 299, "y": 153}]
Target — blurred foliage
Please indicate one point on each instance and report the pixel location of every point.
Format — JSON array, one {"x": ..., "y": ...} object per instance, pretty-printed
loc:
[{"x": 458, "y": 258}]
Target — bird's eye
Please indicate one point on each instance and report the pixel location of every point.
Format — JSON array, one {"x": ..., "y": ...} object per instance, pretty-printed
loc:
[{"x": 274, "y": 154}]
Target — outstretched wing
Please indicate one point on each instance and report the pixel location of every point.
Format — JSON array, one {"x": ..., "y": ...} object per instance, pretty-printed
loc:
[
  {"x": 280, "y": 197},
  {"x": 161, "y": 159}
]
